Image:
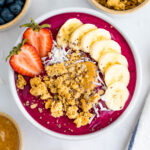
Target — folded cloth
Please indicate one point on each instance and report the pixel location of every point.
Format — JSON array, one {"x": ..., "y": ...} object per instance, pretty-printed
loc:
[{"x": 141, "y": 136}]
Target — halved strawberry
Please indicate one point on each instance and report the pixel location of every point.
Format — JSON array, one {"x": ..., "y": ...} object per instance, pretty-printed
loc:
[
  {"x": 39, "y": 36},
  {"x": 25, "y": 60}
]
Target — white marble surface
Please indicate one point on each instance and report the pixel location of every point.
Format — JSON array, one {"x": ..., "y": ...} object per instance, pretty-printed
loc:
[{"x": 137, "y": 26}]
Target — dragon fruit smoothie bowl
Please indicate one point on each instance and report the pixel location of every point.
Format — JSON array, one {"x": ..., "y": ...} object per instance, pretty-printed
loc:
[{"x": 63, "y": 127}]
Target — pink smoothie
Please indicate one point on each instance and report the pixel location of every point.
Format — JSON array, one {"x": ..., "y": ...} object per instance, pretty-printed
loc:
[{"x": 63, "y": 124}]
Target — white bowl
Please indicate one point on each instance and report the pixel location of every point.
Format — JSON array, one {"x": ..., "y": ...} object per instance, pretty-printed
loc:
[{"x": 115, "y": 123}]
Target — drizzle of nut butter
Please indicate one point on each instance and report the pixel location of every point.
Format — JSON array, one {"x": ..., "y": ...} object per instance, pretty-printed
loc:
[{"x": 91, "y": 75}]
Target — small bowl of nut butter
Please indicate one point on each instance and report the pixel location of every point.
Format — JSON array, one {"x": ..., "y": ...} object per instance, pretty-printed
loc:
[
  {"x": 10, "y": 133},
  {"x": 119, "y": 6}
]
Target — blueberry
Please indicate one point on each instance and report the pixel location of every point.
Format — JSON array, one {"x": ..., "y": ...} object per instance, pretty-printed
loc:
[
  {"x": 7, "y": 15},
  {"x": 2, "y": 2},
  {"x": 20, "y": 2},
  {"x": 9, "y": 1},
  {"x": 2, "y": 21},
  {"x": 15, "y": 8}
]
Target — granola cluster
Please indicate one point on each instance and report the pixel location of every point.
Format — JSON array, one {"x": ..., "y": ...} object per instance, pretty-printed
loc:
[
  {"x": 21, "y": 82},
  {"x": 69, "y": 88},
  {"x": 38, "y": 88}
]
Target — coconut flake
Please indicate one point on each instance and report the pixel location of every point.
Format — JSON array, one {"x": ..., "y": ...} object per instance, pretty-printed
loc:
[
  {"x": 96, "y": 110},
  {"x": 101, "y": 81},
  {"x": 54, "y": 43},
  {"x": 78, "y": 61},
  {"x": 99, "y": 78},
  {"x": 45, "y": 61},
  {"x": 91, "y": 119},
  {"x": 102, "y": 108},
  {"x": 44, "y": 58},
  {"x": 98, "y": 84}
]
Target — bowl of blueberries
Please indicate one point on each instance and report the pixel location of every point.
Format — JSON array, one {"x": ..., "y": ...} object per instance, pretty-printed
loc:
[{"x": 11, "y": 11}]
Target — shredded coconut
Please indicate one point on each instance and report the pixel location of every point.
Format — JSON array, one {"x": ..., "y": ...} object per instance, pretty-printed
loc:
[
  {"x": 98, "y": 84},
  {"x": 78, "y": 61},
  {"x": 99, "y": 78},
  {"x": 54, "y": 42},
  {"x": 57, "y": 55},
  {"x": 102, "y": 108},
  {"x": 96, "y": 110},
  {"x": 91, "y": 119},
  {"x": 44, "y": 58}
]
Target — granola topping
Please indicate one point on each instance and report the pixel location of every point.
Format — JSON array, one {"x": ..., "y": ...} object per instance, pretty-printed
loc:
[
  {"x": 69, "y": 86},
  {"x": 21, "y": 82}
]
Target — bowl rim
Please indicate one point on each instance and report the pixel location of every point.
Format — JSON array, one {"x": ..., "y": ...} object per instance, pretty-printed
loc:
[
  {"x": 115, "y": 123},
  {"x": 118, "y": 12},
  {"x": 17, "y": 127},
  {"x": 18, "y": 17}
]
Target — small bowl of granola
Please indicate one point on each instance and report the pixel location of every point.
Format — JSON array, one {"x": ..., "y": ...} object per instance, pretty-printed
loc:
[{"x": 119, "y": 6}]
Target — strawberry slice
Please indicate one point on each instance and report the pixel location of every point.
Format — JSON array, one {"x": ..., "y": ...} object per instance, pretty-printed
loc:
[
  {"x": 25, "y": 60},
  {"x": 39, "y": 36}
]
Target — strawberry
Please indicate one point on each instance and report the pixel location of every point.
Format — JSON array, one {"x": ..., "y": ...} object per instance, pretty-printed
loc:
[
  {"x": 39, "y": 36},
  {"x": 25, "y": 60}
]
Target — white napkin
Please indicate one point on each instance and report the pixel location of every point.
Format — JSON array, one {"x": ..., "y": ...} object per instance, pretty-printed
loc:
[{"x": 142, "y": 137}]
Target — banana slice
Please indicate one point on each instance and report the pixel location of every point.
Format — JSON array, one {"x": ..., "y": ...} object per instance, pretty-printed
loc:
[
  {"x": 110, "y": 59},
  {"x": 117, "y": 73},
  {"x": 91, "y": 37},
  {"x": 66, "y": 30},
  {"x": 75, "y": 40},
  {"x": 101, "y": 47},
  {"x": 116, "y": 96}
]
